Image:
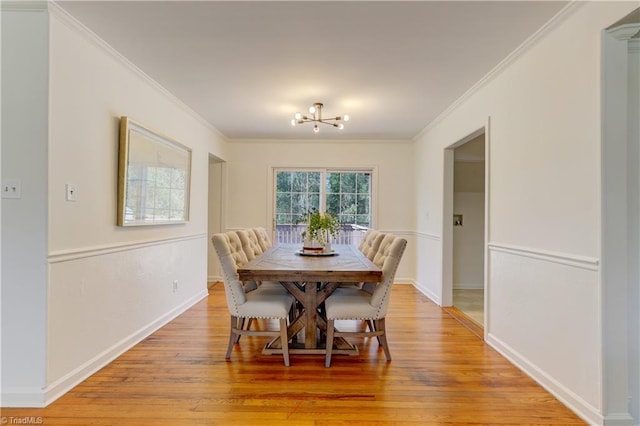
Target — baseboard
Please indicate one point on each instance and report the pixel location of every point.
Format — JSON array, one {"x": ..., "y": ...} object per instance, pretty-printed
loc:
[
  {"x": 429, "y": 294},
  {"x": 61, "y": 386},
  {"x": 587, "y": 412},
  {"x": 622, "y": 419}
]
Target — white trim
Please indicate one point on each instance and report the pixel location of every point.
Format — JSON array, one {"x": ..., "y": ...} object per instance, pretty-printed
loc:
[
  {"x": 624, "y": 32},
  {"x": 63, "y": 385},
  {"x": 428, "y": 236},
  {"x": 83, "y": 252},
  {"x": 214, "y": 278},
  {"x": 427, "y": 293},
  {"x": 498, "y": 69},
  {"x": 325, "y": 141},
  {"x": 71, "y": 22},
  {"x": 618, "y": 419},
  {"x": 578, "y": 405},
  {"x": 583, "y": 262}
]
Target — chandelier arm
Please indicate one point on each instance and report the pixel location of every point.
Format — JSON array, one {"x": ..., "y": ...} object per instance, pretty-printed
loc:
[{"x": 327, "y": 123}]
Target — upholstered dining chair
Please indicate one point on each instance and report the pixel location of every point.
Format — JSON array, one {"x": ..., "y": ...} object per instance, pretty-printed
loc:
[
  {"x": 249, "y": 243},
  {"x": 261, "y": 303},
  {"x": 370, "y": 243},
  {"x": 263, "y": 238},
  {"x": 361, "y": 304}
]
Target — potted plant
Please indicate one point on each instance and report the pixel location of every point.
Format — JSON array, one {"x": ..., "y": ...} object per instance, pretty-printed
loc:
[{"x": 319, "y": 228}]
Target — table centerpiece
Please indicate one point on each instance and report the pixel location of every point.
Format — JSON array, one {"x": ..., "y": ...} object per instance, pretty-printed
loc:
[{"x": 320, "y": 227}]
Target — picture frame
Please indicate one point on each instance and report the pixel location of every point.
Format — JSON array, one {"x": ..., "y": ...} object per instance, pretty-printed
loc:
[{"x": 154, "y": 175}]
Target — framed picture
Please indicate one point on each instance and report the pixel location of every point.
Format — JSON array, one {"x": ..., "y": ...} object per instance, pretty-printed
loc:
[{"x": 154, "y": 174}]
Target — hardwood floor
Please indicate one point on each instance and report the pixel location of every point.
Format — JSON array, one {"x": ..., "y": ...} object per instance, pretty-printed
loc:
[{"x": 441, "y": 373}]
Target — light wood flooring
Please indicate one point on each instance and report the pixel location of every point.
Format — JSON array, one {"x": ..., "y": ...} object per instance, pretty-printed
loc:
[
  {"x": 440, "y": 374},
  {"x": 471, "y": 302}
]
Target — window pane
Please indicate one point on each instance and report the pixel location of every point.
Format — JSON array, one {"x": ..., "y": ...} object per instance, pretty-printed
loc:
[
  {"x": 333, "y": 203},
  {"x": 333, "y": 183},
  {"x": 314, "y": 201},
  {"x": 314, "y": 182},
  {"x": 348, "y": 204},
  {"x": 363, "y": 204},
  {"x": 299, "y": 203},
  {"x": 283, "y": 219},
  {"x": 348, "y": 182},
  {"x": 299, "y": 183},
  {"x": 283, "y": 203},
  {"x": 349, "y": 218},
  {"x": 363, "y": 182},
  {"x": 283, "y": 182},
  {"x": 363, "y": 220}
]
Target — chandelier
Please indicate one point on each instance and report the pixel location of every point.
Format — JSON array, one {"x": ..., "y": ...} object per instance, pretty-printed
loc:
[{"x": 316, "y": 117}]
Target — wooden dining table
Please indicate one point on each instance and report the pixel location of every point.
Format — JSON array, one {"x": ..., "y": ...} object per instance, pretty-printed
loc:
[{"x": 310, "y": 279}]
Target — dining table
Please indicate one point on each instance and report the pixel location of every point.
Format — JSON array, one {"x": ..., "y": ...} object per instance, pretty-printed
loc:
[{"x": 310, "y": 278}]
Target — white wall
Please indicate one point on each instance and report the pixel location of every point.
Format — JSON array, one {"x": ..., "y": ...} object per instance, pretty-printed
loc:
[
  {"x": 108, "y": 287},
  {"x": 544, "y": 213},
  {"x": 250, "y": 185},
  {"x": 25, "y": 73}
]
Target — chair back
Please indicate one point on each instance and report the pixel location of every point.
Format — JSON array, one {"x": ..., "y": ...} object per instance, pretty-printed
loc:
[
  {"x": 387, "y": 258},
  {"x": 229, "y": 250},
  {"x": 263, "y": 238},
  {"x": 249, "y": 242},
  {"x": 370, "y": 243}
]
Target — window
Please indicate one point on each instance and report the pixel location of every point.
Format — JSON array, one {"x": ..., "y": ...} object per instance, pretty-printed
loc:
[{"x": 345, "y": 193}]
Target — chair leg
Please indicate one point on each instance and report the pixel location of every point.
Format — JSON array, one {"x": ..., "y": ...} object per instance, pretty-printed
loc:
[
  {"x": 383, "y": 338},
  {"x": 330, "y": 331},
  {"x": 284, "y": 341},
  {"x": 233, "y": 338}
]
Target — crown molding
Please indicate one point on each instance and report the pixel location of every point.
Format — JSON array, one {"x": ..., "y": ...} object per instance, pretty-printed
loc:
[
  {"x": 625, "y": 32},
  {"x": 67, "y": 19},
  {"x": 556, "y": 20}
]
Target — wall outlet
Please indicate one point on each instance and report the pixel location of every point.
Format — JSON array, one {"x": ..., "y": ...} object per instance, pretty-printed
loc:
[
  {"x": 175, "y": 286},
  {"x": 11, "y": 188}
]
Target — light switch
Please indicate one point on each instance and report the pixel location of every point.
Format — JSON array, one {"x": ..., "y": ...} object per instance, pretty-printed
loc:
[
  {"x": 11, "y": 188},
  {"x": 71, "y": 191}
]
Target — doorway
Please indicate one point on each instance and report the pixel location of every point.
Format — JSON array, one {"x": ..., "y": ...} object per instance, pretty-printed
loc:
[
  {"x": 215, "y": 216},
  {"x": 464, "y": 230}
]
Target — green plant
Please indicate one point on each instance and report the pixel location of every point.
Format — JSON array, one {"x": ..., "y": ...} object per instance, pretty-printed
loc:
[{"x": 319, "y": 226}]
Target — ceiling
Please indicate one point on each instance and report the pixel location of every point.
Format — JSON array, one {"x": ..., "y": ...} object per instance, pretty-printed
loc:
[{"x": 247, "y": 67}]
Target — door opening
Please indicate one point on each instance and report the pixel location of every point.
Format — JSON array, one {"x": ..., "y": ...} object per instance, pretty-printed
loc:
[{"x": 465, "y": 230}]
